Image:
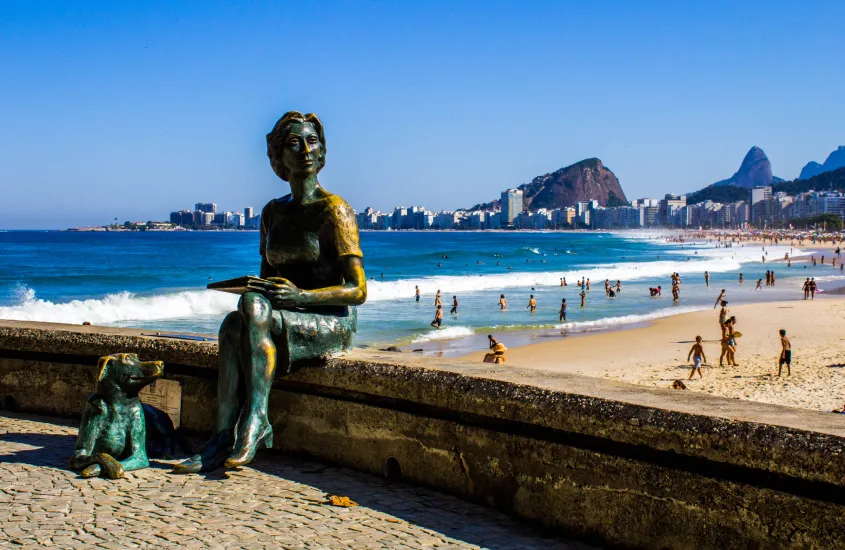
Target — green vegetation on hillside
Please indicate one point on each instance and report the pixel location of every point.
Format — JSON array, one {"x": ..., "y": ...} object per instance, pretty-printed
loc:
[
  {"x": 828, "y": 181},
  {"x": 718, "y": 193}
]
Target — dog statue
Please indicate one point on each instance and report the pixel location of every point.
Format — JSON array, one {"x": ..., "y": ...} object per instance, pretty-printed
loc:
[{"x": 117, "y": 431}]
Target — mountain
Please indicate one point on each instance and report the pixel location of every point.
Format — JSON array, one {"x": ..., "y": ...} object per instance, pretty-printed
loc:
[
  {"x": 582, "y": 181},
  {"x": 755, "y": 171},
  {"x": 835, "y": 160}
]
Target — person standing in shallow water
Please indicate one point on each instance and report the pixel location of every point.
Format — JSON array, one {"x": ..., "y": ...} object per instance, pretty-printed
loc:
[{"x": 313, "y": 277}]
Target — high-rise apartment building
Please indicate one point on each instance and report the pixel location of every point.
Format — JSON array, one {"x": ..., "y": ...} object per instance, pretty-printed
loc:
[
  {"x": 208, "y": 207},
  {"x": 512, "y": 205}
]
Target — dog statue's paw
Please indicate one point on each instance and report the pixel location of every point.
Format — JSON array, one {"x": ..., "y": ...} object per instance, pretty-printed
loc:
[
  {"x": 112, "y": 469},
  {"x": 91, "y": 471}
]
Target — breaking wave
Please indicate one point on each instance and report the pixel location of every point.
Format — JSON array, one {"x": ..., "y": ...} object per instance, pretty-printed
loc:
[
  {"x": 448, "y": 333},
  {"x": 120, "y": 307}
]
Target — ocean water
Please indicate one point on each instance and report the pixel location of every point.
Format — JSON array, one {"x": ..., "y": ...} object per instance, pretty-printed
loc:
[{"x": 157, "y": 281}]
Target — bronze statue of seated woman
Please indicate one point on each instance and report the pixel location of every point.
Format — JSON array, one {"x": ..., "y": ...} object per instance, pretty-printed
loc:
[{"x": 303, "y": 305}]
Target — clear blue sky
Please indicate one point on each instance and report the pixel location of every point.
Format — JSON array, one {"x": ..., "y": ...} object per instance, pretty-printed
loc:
[{"x": 133, "y": 109}]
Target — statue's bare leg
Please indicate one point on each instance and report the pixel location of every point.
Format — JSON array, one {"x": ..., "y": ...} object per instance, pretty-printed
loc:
[
  {"x": 259, "y": 357},
  {"x": 219, "y": 447}
]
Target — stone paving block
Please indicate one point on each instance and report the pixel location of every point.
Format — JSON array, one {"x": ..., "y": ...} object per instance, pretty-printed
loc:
[{"x": 277, "y": 502}]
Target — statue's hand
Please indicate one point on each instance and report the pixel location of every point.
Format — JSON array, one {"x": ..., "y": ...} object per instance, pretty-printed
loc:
[{"x": 282, "y": 293}]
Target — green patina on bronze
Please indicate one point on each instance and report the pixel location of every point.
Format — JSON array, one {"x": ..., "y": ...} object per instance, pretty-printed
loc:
[
  {"x": 113, "y": 434},
  {"x": 303, "y": 306}
]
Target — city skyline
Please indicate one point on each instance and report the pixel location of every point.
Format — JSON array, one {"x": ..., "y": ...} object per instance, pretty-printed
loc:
[{"x": 113, "y": 109}]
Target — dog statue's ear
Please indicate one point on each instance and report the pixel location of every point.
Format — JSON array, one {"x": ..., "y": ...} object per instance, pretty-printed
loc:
[{"x": 102, "y": 364}]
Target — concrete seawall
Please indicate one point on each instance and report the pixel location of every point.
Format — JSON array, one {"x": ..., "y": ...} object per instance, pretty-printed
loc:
[{"x": 608, "y": 462}]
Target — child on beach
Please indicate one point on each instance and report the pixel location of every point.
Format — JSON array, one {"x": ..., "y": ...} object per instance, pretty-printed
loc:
[
  {"x": 697, "y": 354},
  {"x": 785, "y": 353}
]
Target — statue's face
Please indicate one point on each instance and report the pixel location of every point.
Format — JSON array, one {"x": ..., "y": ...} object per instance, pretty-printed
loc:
[{"x": 302, "y": 148}]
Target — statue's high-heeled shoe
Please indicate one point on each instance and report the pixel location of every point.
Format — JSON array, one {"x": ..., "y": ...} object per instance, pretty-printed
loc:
[
  {"x": 211, "y": 457},
  {"x": 256, "y": 434}
]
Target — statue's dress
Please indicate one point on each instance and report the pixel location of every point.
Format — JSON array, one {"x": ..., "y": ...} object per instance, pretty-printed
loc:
[{"x": 305, "y": 244}]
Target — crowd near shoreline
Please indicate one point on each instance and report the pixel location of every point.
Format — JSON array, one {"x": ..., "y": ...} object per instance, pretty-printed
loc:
[{"x": 757, "y": 364}]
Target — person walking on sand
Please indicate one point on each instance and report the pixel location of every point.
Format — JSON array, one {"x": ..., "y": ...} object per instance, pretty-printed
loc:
[
  {"x": 417, "y": 293},
  {"x": 562, "y": 310},
  {"x": 583, "y": 296},
  {"x": 532, "y": 304},
  {"x": 438, "y": 317},
  {"x": 759, "y": 284},
  {"x": 731, "y": 324},
  {"x": 785, "y": 353},
  {"x": 812, "y": 288},
  {"x": 723, "y": 316},
  {"x": 719, "y": 299},
  {"x": 707, "y": 280},
  {"x": 697, "y": 354},
  {"x": 503, "y": 304},
  {"x": 806, "y": 288},
  {"x": 454, "y": 310}
]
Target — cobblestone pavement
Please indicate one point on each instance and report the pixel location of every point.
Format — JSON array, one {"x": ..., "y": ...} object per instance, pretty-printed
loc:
[{"x": 275, "y": 503}]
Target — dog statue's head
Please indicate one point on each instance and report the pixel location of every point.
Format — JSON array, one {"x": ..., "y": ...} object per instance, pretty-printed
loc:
[{"x": 127, "y": 373}]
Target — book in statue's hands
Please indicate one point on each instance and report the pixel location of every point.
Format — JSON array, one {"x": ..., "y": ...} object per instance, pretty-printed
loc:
[{"x": 248, "y": 283}]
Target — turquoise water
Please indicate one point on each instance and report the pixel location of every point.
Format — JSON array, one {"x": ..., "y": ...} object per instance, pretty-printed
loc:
[{"x": 157, "y": 280}]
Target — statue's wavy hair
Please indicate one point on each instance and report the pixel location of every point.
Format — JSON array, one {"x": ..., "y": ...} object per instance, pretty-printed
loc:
[{"x": 279, "y": 134}]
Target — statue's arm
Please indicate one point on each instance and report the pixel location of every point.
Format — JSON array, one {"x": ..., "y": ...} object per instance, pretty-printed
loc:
[{"x": 353, "y": 292}]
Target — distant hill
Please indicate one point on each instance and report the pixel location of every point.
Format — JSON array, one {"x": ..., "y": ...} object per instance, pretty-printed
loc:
[
  {"x": 834, "y": 160},
  {"x": 582, "y": 181},
  {"x": 755, "y": 171},
  {"x": 833, "y": 180}
]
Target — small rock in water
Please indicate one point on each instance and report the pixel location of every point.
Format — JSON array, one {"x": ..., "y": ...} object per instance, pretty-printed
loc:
[{"x": 392, "y": 348}]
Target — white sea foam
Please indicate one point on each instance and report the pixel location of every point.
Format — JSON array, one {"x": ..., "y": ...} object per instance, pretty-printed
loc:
[
  {"x": 448, "y": 333},
  {"x": 124, "y": 306},
  {"x": 605, "y": 323},
  {"x": 608, "y": 322},
  {"x": 623, "y": 271}
]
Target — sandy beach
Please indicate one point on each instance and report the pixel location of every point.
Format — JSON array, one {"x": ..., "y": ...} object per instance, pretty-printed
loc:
[{"x": 655, "y": 355}]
